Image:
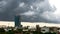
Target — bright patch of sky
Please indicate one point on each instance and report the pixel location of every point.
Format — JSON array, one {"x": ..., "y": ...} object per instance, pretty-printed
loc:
[
  {"x": 56, "y": 3},
  {"x": 53, "y": 15}
]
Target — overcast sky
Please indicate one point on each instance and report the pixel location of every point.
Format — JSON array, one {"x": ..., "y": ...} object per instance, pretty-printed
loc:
[{"x": 30, "y": 10}]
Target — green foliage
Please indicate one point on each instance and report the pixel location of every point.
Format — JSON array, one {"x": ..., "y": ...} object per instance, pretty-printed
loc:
[{"x": 2, "y": 30}]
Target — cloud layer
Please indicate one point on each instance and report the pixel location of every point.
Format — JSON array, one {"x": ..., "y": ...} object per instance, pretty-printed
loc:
[{"x": 32, "y": 11}]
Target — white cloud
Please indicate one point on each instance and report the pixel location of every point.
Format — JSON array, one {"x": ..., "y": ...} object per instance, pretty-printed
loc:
[
  {"x": 29, "y": 13},
  {"x": 21, "y": 4},
  {"x": 2, "y": 3},
  {"x": 56, "y": 14},
  {"x": 31, "y": 7},
  {"x": 56, "y": 3}
]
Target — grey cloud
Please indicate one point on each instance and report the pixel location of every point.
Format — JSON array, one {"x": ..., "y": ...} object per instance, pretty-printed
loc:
[
  {"x": 7, "y": 10},
  {"x": 37, "y": 7}
]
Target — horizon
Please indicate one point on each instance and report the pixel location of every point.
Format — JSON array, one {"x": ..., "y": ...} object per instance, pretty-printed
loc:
[{"x": 31, "y": 24}]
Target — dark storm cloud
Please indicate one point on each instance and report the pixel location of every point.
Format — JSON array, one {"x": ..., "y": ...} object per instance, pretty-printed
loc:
[
  {"x": 30, "y": 10},
  {"x": 6, "y": 12},
  {"x": 38, "y": 7}
]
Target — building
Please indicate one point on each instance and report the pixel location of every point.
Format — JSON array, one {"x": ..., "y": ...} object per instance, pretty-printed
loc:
[{"x": 17, "y": 21}]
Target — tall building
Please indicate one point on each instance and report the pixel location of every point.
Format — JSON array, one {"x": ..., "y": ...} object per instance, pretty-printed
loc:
[{"x": 17, "y": 21}]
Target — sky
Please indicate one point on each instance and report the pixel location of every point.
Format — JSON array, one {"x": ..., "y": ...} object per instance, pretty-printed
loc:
[{"x": 30, "y": 11}]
